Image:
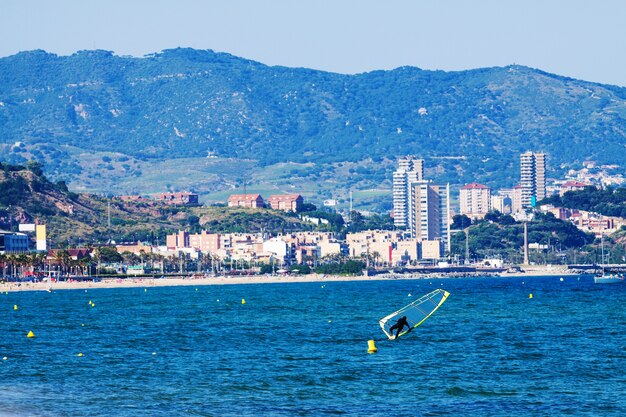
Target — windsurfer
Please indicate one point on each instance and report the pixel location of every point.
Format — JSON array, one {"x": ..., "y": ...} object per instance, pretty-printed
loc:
[{"x": 399, "y": 326}]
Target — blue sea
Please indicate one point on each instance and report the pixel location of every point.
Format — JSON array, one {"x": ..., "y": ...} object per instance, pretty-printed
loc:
[{"x": 301, "y": 350}]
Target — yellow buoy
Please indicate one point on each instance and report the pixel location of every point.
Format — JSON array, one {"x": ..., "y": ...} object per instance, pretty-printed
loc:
[
  {"x": 530, "y": 295},
  {"x": 80, "y": 354},
  {"x": 243, "y": 301},
  {"x": 15, "y": 307},
  {"x": 30, "y": 334},
  {"x": 5, "y": 358},
  {"x": 371, "y": 347}
]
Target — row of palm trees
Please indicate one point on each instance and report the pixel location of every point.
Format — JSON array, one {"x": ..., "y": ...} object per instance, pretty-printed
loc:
[
  {"x": 63, "y": 264},
  {"x": 32, "y": 263}
]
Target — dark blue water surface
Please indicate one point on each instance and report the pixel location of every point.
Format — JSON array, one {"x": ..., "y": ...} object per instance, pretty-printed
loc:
[{"x": 301, "y": 349}]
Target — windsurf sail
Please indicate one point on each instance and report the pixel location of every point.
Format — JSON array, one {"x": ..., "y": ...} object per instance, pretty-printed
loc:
[{"x": 416, "y": 313}]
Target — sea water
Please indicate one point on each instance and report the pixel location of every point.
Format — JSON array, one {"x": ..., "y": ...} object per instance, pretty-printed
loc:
[{"x": 301, "y": 349}]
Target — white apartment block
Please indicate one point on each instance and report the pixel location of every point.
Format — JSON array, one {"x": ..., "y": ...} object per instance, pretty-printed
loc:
[
  {"x": 430, "y": 218},
  {"x": 410, "y": 170},
  {"x": 420, "y": 206},
  {"x": 532, "y": 178},
  {"x": 475, "y": 200}
]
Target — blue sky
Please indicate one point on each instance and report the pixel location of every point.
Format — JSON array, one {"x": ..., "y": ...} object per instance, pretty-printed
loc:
[{"x": 583, "y": 39}]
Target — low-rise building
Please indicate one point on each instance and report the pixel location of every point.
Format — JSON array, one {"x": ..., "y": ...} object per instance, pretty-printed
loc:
[
  {"x": 572, "y": 186},
  {"x": 431, "y": 249},
  {"x": 133, "y": 198},
  {"x": 180, "y": 199},
  {"x": 404, "y": 252},
  {"x": 138, "y": 248},
  {"x": 285, "y": 202},
  {"x": 245, "y": 200},
  {"x": 13, "y": 242}
]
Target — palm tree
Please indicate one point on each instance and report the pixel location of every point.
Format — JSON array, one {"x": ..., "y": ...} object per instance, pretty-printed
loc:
[
  {"x": 376, "y": 257},
  {"x": 63, "y": 259},
  {"x": 23, "y": 262},
  {"x": 3, "y": 260}
]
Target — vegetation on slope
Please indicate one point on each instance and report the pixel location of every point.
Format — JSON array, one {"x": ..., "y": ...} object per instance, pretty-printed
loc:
[
  {"x": 93, "y": 115},
  {"x": 609, "y": 201},
  {"x": 499, "y": 234}
]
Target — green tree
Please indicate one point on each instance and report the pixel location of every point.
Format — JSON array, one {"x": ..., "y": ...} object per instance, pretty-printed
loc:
[
  {"x": 108, "y": 254},
  {"x": 460, "y": 221}
]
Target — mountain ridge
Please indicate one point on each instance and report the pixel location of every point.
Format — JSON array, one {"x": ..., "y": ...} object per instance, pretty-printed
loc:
[{"x": 134, "y": 113}]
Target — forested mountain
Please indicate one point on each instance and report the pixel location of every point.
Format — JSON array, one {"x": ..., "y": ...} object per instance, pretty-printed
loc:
[{"x": 94, "y": 117}]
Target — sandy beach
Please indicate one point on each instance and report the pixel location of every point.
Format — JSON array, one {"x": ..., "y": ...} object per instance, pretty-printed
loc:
[{"x": 529, "y": 271}]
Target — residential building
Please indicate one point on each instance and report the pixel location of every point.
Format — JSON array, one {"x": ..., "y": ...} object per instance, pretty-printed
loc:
[
  {"x": 133, "y": 198},
  {"x": 13, "y": 242},
  {"x": 286, "y": 202},
  {"x": 205, "y": 242},
  {"x": 138, "y": 248},
  {"x": 178, "y": 199},
  {"x": 430, "y": 217},
  {"x": 410, "y": 170},
  {"x": 502, "y": 203},
  {"x": 177, "y": 240},
  {"x": 420, "y": 206},
  {"x": 404, "y": 252},
  {"x": 245, "y": 200},
  {"x": 277, "y": 250},
  {"x": 373, "y": 244},
  {"x": 431, "y": 249},
  {"x": 572, "y": 186},
  {"x": 475, "y": 200},
  {"x": 512, "y": 197},
  {"x": 532, "y": 178}
]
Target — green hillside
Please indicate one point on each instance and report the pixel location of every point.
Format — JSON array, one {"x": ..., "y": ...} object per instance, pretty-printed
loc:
[
  {"x": 187, "y": 119},
  {"x": 27, "y": 196}
]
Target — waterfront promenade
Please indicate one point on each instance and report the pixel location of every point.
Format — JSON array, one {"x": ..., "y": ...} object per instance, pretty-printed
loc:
[{"x": 534, "y": 270}]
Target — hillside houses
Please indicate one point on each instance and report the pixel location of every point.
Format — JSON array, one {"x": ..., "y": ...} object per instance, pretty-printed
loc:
[{"x": 284, "y": 202}]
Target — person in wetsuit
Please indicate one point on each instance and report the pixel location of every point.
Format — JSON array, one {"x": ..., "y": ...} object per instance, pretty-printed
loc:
[{"x": 399, "y": 326}]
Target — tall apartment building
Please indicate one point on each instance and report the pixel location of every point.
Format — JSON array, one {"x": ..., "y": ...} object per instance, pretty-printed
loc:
[
  {"x": 475, "y": 200},
  {"x": 420, "y": 206},
  {"x": 430, "y": 217},
  {"x": 532, "y": 178},
  {"x": 410, "y": 170}
]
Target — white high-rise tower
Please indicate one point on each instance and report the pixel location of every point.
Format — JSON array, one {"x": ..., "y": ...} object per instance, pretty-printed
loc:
[
  {"x": 410, "y": 170},
  {"x": 420, "y": 206},
  {"x": 532, "y": 178}
]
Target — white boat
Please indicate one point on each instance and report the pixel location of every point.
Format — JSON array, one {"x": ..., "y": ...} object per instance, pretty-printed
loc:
[{"x": 605, "y": 278}]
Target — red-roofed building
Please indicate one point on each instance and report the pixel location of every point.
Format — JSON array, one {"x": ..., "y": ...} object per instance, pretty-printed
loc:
[
  {"x": 572, "y": 186},
  {"x": 245, "y": 200},
  {"x": 75, "y": 254},
  {"x": 286, "y": 202},
  {"x": 475, "y": 200}
]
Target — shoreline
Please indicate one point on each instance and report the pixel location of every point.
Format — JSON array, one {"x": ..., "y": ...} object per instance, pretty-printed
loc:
[{"x": 257, "y": 279}]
